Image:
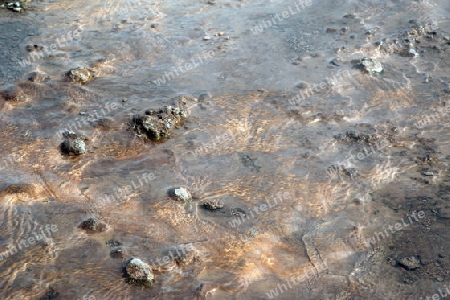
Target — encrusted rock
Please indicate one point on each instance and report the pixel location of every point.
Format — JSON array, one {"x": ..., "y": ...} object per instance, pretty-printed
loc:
[
  {"x": 409, "y": 263},
  {"x": 370, "y": 65},
  {"x": 180, "y": 194},
  {"x": 157, "y": 125},
  {"x": 93, "y": 225},
  {"x": 81, "y": 74},
  {"x": 138, "y": 272},
  {"x": 73, "y": 145},
  {"x": 213, "y": 204}
]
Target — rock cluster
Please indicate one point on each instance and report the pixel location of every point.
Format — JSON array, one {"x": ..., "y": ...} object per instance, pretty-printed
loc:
[{"x": 157, "y": 125}]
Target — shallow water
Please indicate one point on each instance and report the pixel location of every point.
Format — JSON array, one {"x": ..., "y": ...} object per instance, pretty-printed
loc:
[{"x": 244, "y": 143}]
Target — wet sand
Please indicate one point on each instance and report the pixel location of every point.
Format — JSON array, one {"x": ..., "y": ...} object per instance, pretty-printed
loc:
[{"x": 333, "y": 179}]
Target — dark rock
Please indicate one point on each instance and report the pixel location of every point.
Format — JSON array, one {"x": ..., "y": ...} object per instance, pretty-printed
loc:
[
  {"x": 409, "y": 263},
  {"x": 93, "y": 225},
  {"x": 32, "y": 48},
  {"x": 213, "y": 204},
  {"x": 14, "y": 95},
  {"x": 157, "y": 125},
  {"x": 50, "y": 294},
  {"x": 113, "y": 243},
  {"x": 16, "y": 6},
  {"x": 180, "y": 194},
  {"x": 428, "y": 173},
  {"x": 117, "y": 253},
  {"x": 350, "y": 16},
  {"x": 331, "y": 30},
  {"x": 353, "y": 137},
  {"x": 249, "y": 162},
  {"x": 138, "y": 272},
  {"x": 37, "y": 77}
]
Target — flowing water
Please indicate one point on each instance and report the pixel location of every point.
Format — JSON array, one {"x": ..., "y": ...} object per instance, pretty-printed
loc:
[{"x": 330, "y": 176}]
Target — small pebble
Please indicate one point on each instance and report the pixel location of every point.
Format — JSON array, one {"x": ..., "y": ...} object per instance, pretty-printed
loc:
[{"x": 427, "y": 173}]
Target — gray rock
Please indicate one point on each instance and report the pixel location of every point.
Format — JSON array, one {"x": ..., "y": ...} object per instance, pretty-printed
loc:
[
  {"x": 81, "y": 75},
  {"x": 73, "y": 145},
  {"x": 139, "y": 272},
  {"x": 427, "y": 173},
  {"x": 370, "y": 65},
  {"x": 410, "y": 262},
  {"x": 180, "y": 194}
]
